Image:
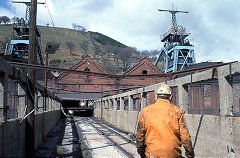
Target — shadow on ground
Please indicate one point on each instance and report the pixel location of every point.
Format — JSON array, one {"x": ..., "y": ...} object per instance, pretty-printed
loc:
[{"x": 61, "y": 141}]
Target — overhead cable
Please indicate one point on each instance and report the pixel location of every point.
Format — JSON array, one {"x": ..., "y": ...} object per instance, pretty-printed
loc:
[{"x": 53, "y": 23}]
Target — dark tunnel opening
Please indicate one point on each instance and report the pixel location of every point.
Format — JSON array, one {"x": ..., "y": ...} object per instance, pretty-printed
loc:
[{"x": 78, "y": 110}]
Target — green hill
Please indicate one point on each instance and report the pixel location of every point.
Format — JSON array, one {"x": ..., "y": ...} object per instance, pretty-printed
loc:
[
  {"x": 113, "y": 55},
  {"x": 74, "y": 44},
  {"x": 105, "y": 40}
]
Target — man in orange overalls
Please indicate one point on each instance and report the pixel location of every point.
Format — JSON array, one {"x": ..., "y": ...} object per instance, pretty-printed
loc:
[{"x": 162, "y": 129}]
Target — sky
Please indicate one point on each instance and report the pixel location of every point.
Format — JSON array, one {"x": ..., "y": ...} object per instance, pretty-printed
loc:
[{"x": 214, "y": 24}]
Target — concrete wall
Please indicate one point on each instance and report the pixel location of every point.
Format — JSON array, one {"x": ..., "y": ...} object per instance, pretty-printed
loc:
[
  {"x": 44, "y": 123},
  {"x": 45, "y": 120},
  {"x": 12, "y": 138},
  {"x": 12, "y": 131},
  {"x": 212, "y": 136},
  {"x": 12, "y": 144}
]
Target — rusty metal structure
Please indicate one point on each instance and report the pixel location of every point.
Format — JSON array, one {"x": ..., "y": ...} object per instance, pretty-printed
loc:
[
  {"x": 177, "y": 50},
  {"x": 17, "y": 48}
]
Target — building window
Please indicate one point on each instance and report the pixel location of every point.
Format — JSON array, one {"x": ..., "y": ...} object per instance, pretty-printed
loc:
[
  {"x": 144, "y": 72},
  {"x": 87, "y": 69}
]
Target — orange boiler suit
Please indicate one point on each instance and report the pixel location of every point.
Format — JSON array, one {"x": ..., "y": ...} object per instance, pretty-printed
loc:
[{"x": 162, "y": 129}]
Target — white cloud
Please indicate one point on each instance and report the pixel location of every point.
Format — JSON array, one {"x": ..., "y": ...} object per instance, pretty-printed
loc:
[
  {"x": 6, "y": 12},
  {"x": 214, "y": 25}
]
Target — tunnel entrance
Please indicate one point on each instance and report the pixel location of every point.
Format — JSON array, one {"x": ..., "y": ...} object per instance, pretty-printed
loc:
[
  {"x": 70, "y": 103},
  {"x": 79, "y": 109},
  {"x": 84, "y": 113}
]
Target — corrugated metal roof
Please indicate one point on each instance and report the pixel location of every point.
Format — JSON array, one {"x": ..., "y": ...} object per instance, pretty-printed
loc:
[{"x": 202, "y": 65}]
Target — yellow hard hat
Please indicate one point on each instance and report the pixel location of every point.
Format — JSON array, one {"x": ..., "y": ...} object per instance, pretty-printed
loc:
[{"x": 164, "y": 89}]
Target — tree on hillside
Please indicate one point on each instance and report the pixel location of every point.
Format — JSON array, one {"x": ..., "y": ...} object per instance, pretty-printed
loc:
[
  {"x": 151, "y": 54},
  {"x": 70, "y": 46},
  {"x": 126, "y": 56},
  {"x": 14, "y": 19},
  {"x": 84, "y": 46},
  {"x": 111, "y": 50},
  {"x": 108, "y": 65},
  {"x": 81, "y": 28},
  {"x": 74, "y": 25},
  {"x": 154, "y": 52},
  {"x": 78, "y": 28},
  {"x": 4, "y": 19},
  {"x": 98, "y": 50}
]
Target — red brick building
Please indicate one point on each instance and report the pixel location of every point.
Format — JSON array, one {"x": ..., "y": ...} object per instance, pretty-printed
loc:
[
  {"x": 142, "y": 74},
  {"x": 86, "y": 83}
]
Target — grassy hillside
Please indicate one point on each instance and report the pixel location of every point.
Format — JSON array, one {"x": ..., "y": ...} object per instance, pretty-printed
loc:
[
  {"x": 105, "y": 40},
  {"x": 82, "y": 43},
  {"x": 111, "y": 54}
]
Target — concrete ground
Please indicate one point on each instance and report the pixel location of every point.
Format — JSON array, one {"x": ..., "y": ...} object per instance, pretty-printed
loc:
[
  {"x": 75, "y": 137},
  {"x": 69, "y": 145},
  {"x": 95, "y": 142},
  {"x": 62, "y": 141}
]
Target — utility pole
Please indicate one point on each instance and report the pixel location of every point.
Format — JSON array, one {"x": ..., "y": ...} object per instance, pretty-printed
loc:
[
  {"x": 45, "y": 79},
  {"x": 5, "y": 97},
  {"x": 101, "y": 117},
  {"x": 30, "y": 121}
]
